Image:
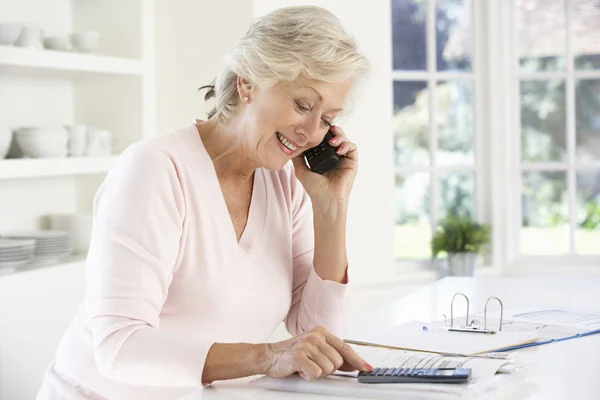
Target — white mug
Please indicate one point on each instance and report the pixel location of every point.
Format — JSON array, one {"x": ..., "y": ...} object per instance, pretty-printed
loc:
[
  {"x": 31, "y": 36},
  {"x": 100, "y": 143},
  {"x": 78, "y": 140}
]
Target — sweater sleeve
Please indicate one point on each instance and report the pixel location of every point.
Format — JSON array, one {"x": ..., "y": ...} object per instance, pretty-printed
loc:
[
  {"x": 315, "y": 302},
  {"x": 138, "y": 222}
]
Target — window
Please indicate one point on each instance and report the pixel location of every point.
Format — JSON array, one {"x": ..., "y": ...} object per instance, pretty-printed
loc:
[
  {"x": 434, "y": 119},
  {"x": 557, "y": 59},
  {"x": 497, "y": 115}
]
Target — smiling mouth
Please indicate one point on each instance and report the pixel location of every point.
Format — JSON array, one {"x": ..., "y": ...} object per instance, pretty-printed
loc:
[{"x": 288, "y": 144}]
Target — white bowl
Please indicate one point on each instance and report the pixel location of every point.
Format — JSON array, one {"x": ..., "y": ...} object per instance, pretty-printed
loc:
[
  {"x": 86, "y": 41},
  {"x": 9, "y": 33},
  {"x": 43, "y": 142},
  {"x": 62, "y": 43}
]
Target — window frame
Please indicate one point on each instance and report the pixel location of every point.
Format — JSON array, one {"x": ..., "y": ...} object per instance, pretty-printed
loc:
[
  {"x": 432, "y": 77},
  {"x": 497, "y": 166},
  {"x": 507, "y": 168}
]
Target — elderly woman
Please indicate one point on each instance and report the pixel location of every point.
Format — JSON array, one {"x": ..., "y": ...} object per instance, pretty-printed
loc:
[{"x": 206, "y": 238}]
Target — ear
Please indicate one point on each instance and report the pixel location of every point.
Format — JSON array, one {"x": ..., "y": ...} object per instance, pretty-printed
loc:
[{"x": 243, "y": 88}]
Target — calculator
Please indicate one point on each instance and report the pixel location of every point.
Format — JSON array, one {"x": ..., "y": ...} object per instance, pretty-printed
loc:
[{"x": 412, "y": 375}]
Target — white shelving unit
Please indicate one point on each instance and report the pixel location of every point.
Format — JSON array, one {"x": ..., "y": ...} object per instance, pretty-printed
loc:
[
  {"x": 64, "y": 62},
  {"x": 112, "y": 88},
  {"x": 48, "y": 167}
]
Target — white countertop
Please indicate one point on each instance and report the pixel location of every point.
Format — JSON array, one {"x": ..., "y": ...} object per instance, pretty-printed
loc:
[{"x": 575, "y": 376}]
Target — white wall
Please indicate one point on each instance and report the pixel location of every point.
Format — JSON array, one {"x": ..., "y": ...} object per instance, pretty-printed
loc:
[
  {"x": 192, "y": 37},
  {"x": 371, "y": 222}
]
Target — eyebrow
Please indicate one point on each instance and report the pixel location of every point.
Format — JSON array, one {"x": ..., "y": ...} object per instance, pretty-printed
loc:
[{"x": 319, "y": 94}]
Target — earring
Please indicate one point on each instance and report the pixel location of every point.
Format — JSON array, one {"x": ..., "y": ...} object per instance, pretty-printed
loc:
[{"x": 245, "y": 98}]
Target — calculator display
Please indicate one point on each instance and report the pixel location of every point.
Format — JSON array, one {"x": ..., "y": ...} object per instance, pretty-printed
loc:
[{"x": 445, "y": 372}]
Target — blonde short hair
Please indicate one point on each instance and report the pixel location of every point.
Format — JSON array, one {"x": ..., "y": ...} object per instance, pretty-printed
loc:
[{"x": 283, "y": 45}]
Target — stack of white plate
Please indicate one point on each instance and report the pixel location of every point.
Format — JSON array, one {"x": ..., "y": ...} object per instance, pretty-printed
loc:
[
  {"x": 15, "y": 253},
  {"x": 50, "y": 245}
]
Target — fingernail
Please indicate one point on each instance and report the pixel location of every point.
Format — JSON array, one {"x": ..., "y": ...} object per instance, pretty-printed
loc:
[
  {"x": 333, "y": 141},
  {"x": 339, "y": 151},
  {"x": 368, "y": 367}
]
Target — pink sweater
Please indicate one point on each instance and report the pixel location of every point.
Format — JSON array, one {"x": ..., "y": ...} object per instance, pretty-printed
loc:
[{"x": 167, "y": 278}]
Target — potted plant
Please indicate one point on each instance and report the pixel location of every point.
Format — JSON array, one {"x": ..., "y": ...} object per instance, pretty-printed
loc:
[{"x": 462, "y": 239}]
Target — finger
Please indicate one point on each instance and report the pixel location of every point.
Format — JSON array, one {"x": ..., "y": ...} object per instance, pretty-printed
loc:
[
  {"x": 348, "y": 353},
  {"x": 308, "y": 369},
  {"x": 345, "y": 148},
  {"x": 338, "y": 140},
  {"x": 336, "y": 130},
  {"x": 352, "y": 153},
  {"x": 346, "y": 367},
  {"x": 323, "y": 362},
  {"x": 335, "y": 359}
]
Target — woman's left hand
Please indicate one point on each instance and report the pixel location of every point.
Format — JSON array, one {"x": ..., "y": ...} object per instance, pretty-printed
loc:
[{"x": 333, "y": 186}]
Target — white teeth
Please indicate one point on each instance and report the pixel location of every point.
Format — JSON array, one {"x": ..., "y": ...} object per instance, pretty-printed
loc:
[{"x": 286, "y": 142}]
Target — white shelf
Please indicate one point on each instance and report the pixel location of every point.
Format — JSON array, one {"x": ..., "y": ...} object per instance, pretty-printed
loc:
[
  {"x": 75, "y": 260},
  {"x": 45, "y": 167},
  {"x": 68, "y": 61}
]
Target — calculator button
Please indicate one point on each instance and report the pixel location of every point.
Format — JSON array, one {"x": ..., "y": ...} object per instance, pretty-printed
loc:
[
  {"x": 433, "y": 371},
  {"x": 374, "y": 372},
  {"x": 389, "y": 372},
  {"x": 396, "y": 371},
  {"x": 409, "y": 371},
  {"x": 381, "y": 371}
]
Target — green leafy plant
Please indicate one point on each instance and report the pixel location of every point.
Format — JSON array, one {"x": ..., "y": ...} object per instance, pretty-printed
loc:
[{"x": 459, "y": 235}]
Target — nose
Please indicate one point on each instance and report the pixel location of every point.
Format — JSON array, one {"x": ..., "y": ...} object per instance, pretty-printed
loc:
[{"x": 311, "y": 129}]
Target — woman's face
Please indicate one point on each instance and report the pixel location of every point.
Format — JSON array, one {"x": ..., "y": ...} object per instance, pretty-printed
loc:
[{"x": 285, "y": 120}]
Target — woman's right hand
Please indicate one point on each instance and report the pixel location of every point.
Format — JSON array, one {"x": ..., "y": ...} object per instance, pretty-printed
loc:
[{"x": 313, "y": 354}]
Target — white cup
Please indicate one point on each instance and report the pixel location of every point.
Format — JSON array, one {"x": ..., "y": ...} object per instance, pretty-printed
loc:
[
  {"x": 100, "y": 143},
  {"x": 31, "y": 36},
  {"x": 85, "y": 41},
  {"x": 78, "y": 138}
]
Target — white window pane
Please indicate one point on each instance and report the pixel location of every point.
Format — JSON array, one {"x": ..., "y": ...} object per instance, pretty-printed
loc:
[
  {"x": 454, "y": 35},
  {"x": 413, "y": 227},
  {"x": 411, "y": 123},
  {"x": 585, "y": 28},
  {"x": 541, "y": 34},
  {"x": 587, "y": 239},
  {"x": 587, "y": 111},
  {"x": 456, "y": 194},
  {"x": 545, "y": 225},
  {"x": 455, "y": 122},
  {"x": 409, "y": 40},
  {"x": 543, "y": 120}
]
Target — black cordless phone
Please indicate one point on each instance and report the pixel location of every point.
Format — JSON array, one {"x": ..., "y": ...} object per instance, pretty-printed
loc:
[{"x": 322, "y": 157}]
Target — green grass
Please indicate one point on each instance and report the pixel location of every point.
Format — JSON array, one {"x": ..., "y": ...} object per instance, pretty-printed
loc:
[{"x": 412, "y": 241}]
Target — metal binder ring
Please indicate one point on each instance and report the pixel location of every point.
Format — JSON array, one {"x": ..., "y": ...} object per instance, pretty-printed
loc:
[
  {"x": 452, "y": 309},
  {"x": 485, "y": 312}
]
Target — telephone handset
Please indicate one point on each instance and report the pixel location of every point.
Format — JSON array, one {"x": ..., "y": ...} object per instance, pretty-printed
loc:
[{"x": 322, "y": 157}]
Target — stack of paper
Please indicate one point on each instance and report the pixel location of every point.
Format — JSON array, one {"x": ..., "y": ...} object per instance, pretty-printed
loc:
[
  {"x": 481, "y": 368},
  {"x": 412, "y": 336},
  {"x": 346, "y": 385}
]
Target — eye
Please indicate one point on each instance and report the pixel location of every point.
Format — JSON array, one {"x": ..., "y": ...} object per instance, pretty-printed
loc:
[
  {"x": 325, "y": 124},
  {"x": 302, "y": 107}
]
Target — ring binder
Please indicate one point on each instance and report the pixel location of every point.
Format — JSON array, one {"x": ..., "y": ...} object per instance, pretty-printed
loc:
[{"x": 474, "y": 326}]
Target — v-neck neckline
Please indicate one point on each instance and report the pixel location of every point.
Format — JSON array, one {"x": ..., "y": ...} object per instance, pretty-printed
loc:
[{"x": 257, "y": 211}]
